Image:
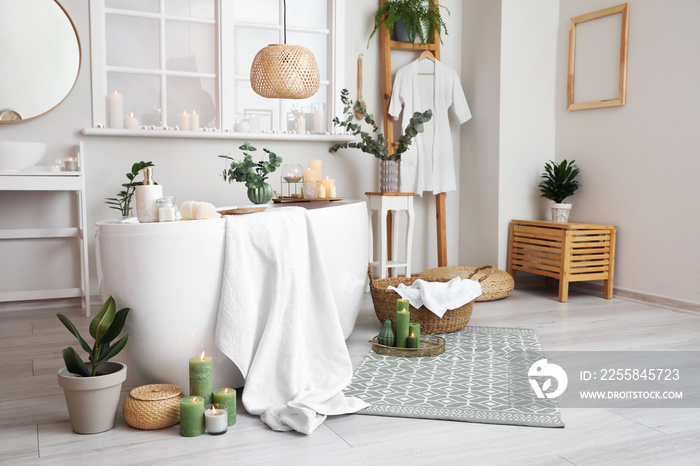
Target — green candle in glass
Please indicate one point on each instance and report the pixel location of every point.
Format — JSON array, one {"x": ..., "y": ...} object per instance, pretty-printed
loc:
[
  {"x": 191, "y": 416},
  {"x": 403, "y": 318},
  {"x": 411, "y": 341},
  {"x": 201, "y": 377},
  {"x": 227, "y": 396},
  {"x": 414, "y": 329}
]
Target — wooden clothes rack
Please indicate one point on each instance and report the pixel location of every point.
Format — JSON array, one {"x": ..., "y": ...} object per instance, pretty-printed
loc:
[{"x": 387, "y": 46}]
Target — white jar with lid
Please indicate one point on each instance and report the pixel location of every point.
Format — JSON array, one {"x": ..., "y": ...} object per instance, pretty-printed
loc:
[{"x": 167, "y": 209}]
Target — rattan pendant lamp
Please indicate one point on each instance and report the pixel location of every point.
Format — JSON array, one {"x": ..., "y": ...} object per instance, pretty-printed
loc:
[{"x": 282, "y": 71}]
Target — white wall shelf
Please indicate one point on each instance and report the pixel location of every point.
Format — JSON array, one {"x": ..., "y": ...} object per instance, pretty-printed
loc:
[
  {"x": 162, "y": 133},
  {"x": 44, "y": 180}
]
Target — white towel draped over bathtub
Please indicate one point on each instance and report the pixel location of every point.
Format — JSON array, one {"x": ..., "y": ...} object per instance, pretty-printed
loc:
[{"x": 279, "y": 324}]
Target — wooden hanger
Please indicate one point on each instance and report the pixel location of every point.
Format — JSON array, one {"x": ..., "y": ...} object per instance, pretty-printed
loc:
[{"x": 427, "y": 54}]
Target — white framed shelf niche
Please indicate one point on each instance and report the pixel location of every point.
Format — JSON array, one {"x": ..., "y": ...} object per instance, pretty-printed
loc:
[{"x": 44, "y": 180}]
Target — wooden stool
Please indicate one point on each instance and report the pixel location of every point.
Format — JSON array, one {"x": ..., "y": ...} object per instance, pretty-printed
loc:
[
  {"x": 568, "y": 252},
  {"x": 384, "y": 203}
]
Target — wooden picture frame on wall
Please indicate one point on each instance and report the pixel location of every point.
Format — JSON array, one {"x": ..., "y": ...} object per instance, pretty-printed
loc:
[{"x": 571, "y": 104}]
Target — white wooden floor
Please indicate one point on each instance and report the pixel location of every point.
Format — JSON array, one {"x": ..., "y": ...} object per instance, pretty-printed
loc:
[{"x": 34, "y": 426}]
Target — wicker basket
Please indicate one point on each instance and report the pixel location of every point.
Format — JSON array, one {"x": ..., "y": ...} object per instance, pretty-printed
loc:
[
  {"x": 155, "y": 406},
  {"x": 495, "y": 284},
  {"x": 385, "y": 306}
]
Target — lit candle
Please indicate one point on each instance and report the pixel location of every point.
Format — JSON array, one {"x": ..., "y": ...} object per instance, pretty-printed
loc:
[
  {"x": 185, "y": 121},
  {"x": 191, "y": 416},
  {"x": 311, "y": 175},
  {"x": 227, "y": 396},
  {"x": 414, "y": 329},
  {"x": 70, "y": 165},
  {"x": 116, "y": 110},
  {"x": 131, "y": 121},
  {"x": 216, "y": 418},
  {"x": 194, "y": 121},
  {"x": 301, "y": 125},
  {"x": 201, "y": 377},
  {"x": 411, "y": 341},
  {"x": 403, "y": 318},
  {"x": 321, "y": 192},
  {"x": 328, "y": 183},
  {"x": 316, "y": 165}
]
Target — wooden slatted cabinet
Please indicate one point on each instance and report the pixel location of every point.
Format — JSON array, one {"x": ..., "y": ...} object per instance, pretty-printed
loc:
[{"x": 568, "y": 252}]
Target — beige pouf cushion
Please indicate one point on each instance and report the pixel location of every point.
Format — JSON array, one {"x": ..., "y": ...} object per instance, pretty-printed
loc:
[{"x": 497, "y": 285}]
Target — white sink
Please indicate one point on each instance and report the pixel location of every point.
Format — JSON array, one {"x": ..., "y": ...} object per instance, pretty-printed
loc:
[{"x": 16, "y": 156}]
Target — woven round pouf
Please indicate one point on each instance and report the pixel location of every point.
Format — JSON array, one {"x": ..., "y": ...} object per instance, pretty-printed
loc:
[
  {"x": 497, "y": 285},
  {"x": 154, "y": 406}
]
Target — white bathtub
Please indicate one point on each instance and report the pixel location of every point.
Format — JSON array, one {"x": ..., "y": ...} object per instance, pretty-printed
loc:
[{"x": 170, "y": 275}]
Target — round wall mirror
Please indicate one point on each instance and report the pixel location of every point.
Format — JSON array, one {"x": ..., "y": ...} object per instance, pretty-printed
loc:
[{"x": 40, "y": 56}]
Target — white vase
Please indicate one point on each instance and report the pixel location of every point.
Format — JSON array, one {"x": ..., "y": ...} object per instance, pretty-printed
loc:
[
  {"x": 93, "y": 401},
  {"x": 560, "y": 212}
]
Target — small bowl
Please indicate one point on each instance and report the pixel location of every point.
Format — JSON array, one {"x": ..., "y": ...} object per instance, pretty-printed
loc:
[{"x": 16, "y": 156}]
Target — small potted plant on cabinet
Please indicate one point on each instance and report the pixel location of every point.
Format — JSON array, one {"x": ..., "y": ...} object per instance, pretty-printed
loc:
[
  {"x": 92, "y": 388},
  {"x": 559, "y": 182},
  {"x": 253, "y": 174},
  {"x": 375, "y": 143},
  {"x": 408, "y": 20}
]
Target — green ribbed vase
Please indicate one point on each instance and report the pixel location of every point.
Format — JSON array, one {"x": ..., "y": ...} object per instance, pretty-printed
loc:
[{"x": 260, "y": 195}]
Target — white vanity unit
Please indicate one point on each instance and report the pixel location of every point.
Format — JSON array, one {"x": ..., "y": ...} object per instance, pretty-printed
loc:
[{"x": 41, "y": 179}]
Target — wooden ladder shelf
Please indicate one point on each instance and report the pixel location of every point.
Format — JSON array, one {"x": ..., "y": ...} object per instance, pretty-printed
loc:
[{"x": 387, "y": 46}]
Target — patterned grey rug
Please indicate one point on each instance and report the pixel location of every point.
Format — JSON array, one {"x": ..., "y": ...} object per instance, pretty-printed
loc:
[{"x": 473, "y": 381}]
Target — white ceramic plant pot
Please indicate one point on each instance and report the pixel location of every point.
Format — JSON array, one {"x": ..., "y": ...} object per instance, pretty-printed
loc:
[
  {"x": 93, "y": 401},
  {"x": 560, "y": 212}
]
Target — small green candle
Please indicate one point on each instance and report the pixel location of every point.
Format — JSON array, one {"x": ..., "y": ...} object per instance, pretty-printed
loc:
[
  {"x": 414, "y": 329},
  {"x": 200, "y": 377},
  {"x": 403, "y": 317},
  {"x": 411, "y": 341},
  {"x": 191, "y": 416},
  {"x": 227, "y": 396}
]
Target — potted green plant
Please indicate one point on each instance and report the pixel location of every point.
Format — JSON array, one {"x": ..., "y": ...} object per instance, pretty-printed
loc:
[
  {"x": 122, "y": 202},
  {"x": 559, "y": 182},
  {"x": 408, "y": 20},
  {"x": 92, "y": 389},
  {"x": 376, "y": 143},
  {"x": 253, "y": 174}
]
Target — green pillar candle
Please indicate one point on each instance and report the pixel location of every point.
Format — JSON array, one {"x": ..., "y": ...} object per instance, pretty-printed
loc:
[
  {"x": 415, "y": 330},
  {"x": 191, "y": 416},
  {"x": 227, "y": 396},
  {"x": 200, "y": 377},
  {"x": 411, "y": 341},
  {"x": 402, "y": 319}
]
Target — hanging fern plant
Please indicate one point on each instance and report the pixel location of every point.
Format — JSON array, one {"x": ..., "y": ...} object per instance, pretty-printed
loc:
[{"x": 421, "y": 18}]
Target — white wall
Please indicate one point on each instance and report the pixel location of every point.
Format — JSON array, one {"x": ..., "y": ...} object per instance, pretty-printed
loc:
[
  {"x": 189, "y": 169},
  {"x": 639, "y": 162}
]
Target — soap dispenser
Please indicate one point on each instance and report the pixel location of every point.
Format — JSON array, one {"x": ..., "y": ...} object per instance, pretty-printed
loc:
[{"x": 146, "y": 197}]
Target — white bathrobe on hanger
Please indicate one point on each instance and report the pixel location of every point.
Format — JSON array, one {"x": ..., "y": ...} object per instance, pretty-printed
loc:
[{"x": 428, "y": 165}]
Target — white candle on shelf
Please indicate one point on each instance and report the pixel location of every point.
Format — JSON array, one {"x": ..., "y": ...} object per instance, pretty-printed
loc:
[
  {"x": 71, "y": 164},
  {"x": 131, "y": 121},
  {"x": 184, "y": 121},
  {"x": 319, "y": 120},
  {"x": 254, "y": 121},
  {"x": 194, "y": 121},
  {"x": 301, "y": 125},
  {"x": 116, "y": 110}
]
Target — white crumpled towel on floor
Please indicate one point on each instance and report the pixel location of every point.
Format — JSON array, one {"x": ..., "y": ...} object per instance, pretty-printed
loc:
[
  {"x": 439, "y": 297},
  {"x": 278, "y": 322}
]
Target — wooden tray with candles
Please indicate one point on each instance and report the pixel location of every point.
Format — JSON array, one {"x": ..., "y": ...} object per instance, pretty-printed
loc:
[{"x": 430, "y": 345}]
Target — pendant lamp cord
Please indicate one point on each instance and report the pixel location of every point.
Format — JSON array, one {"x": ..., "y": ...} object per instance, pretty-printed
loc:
[{"x": 285, "y": 21}]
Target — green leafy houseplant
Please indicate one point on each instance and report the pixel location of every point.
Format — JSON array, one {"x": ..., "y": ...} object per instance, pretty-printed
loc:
[
  {"x": 375, "y": 143},
  {"x": 559, "y": 180},
  {"x": 253, "y": 174},
  {"x": 122, "y": 202},
  {"x": 104, "y": 328},
  {"x": 421, "y": 18}
]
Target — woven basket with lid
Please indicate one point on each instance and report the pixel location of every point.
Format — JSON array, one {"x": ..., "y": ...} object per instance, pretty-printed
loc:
[
  {"x": 385, "y": 305},
  {"x": 495, "y": 284},
  {"x": 154, "y": 406}
]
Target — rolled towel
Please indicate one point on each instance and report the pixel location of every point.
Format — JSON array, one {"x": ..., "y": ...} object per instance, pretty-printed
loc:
[{"x": 439, "y": 297}]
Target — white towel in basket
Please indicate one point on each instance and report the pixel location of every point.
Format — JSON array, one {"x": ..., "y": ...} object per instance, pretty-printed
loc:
[{"x": 439, "y": 297}]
